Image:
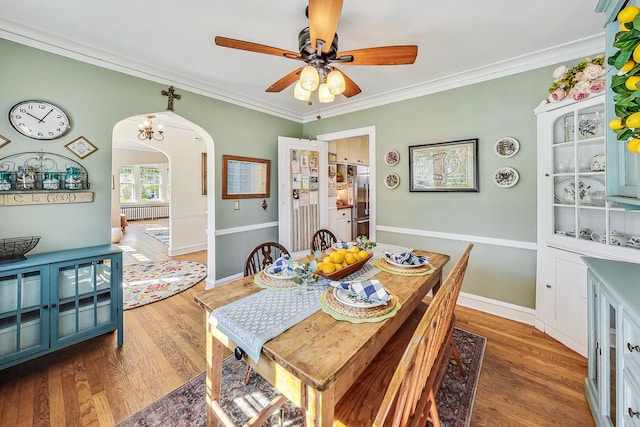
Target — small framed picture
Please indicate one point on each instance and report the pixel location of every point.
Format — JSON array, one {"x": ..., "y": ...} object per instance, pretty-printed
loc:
[
  {"x": 507, "y": 147},
  {"x": 4, "y": 141},
  {"x": 333, "y": 157},
  {"x": 506, "y": 177},
  {"x": 81, "y": 147},
  {"x": 392, "y": 157},
  {"x": 392, "y": 180}
]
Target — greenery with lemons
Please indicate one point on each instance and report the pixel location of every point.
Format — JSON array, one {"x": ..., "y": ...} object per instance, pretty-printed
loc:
[{"x": 626, "y": 83}]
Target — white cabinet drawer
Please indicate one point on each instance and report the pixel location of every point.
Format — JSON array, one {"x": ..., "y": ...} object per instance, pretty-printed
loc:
[
  {"x": 344, "y": 213},
  {"x": 630, "y": 400},
  {"x": 631, "y": 342}
]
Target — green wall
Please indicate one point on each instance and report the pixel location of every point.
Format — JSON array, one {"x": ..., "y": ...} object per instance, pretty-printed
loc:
[
  {"x": 487, "y": 111},
  {"x": 95, "y": 100}
]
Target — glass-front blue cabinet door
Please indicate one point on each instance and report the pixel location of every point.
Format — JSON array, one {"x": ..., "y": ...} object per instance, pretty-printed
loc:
[
  {"x": 83, "y": 291},
  {"x": 24, "y": 326}
]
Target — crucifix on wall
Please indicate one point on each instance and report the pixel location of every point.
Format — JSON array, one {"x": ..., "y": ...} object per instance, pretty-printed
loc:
[{"x": 169, "y": 93}]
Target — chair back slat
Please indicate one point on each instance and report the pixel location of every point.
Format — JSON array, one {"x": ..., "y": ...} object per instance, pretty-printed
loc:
[
  {"x": 411, "y": 387},
  {"x": 263, "y": 255},
  {"x": 322, "y": 239}
]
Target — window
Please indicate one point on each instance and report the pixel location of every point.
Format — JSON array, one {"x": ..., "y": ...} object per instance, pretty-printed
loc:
[{"x": 144, "y": 183}]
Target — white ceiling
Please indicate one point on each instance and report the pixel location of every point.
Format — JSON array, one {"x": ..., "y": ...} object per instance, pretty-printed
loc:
[{"x": 172, "y": 42}]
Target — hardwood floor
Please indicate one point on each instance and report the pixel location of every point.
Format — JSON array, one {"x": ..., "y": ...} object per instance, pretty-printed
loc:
[{"x": 527, "y": 378}]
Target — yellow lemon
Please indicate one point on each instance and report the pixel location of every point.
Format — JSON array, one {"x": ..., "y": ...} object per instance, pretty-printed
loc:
[
  {"x": 343, "y": 250},
  {"x": 354, "y": 249},
  {"x": 337, "y": 266},
  {"x": 633, "y": 121},
  {"x": 632, "y": 82},
  {"x": 356, "y": 255},
  {"x": 320, "y": 266},
  {"x": 349, "y": 259},
  {"x": 628, "y": 66},
  {"x": 327, "y": 260},
  {"x": 616, "y": 123},
  {"x": 328, "y": 268},
  {"x": 634, "y": 145},
  {"x": 363, "y": 254},
  {"x": 623, "y": 27},
  {"x": 636, "y": 54},
  {"x": 627, "y": 14},
  {"x": 337, "y": 257}
]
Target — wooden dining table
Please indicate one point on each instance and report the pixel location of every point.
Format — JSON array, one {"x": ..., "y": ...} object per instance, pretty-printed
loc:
[{"x": 314, "y": 362}]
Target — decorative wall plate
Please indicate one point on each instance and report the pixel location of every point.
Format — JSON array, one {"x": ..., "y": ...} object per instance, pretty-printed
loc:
[
  {"x": 506, "y": 177},
  {"x": 507, "y": 147},
  {"x": 392, "y": 157},
  {"x": 81, "y": 147},
  {"x": 4, "y": 141},
  {"x": 392, "y": 180}
]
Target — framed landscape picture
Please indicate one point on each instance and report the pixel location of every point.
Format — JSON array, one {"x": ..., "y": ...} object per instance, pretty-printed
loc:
[{"x": 444, "y": 166}]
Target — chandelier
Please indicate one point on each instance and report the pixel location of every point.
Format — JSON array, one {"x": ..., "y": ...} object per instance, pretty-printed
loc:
[
  {"x": 146, "y": 131},
  {"x": 310, "y": 79}
]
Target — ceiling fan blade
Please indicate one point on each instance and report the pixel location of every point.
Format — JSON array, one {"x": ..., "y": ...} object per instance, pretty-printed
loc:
[
  {"x": 323, "y": 21},
  {"x": 285, "y": 82},
  {"x": 255, "y": 47},
  {"x": 384, "y": 55},
  {"x": 351, "y": 87}
]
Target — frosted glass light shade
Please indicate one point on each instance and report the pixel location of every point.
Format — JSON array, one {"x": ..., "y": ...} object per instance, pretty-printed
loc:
[
  {"x": 336, "y": 83},
  {"x": 300, "y": 93},
  {"x": 324, "y": 94},
  {"x": 309, "y": 78}
]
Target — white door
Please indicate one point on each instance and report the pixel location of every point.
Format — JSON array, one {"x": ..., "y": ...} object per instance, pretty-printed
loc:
[{"x": 303, "y": 168}]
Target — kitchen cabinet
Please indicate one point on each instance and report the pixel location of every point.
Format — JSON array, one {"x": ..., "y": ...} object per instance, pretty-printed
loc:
[
  {"x": 53, "y": 300},
  {"x": 344, "y": 225},
  {"x": 574, "y": 216},
  {"x": 353, "y": 150},
  {"x": 613, "y": 381}
]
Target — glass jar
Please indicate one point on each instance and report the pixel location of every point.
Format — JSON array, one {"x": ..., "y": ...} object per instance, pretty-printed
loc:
[
  {"x": 26, "y": 178},
  {"x": 73, "y": 179},
  {"x": 5, "y": 183},
  {"x": 50, "y": 181}
]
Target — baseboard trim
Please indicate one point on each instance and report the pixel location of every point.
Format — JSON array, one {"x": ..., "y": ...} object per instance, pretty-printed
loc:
[
  {"x": 187, "y": 249},
  {"x": 502, "y": 309}
]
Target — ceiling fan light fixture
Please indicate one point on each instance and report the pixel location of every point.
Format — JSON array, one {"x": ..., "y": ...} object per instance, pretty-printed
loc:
[
  {"x": 336, "y": 83},
  {"x": 299, "y": 93},
  {"x": 324, "y": 94},
  {"x": 309, "y": 78}
]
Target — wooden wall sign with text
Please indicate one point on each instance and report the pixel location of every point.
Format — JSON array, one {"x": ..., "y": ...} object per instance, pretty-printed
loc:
[{"x": 20, "y": 199}]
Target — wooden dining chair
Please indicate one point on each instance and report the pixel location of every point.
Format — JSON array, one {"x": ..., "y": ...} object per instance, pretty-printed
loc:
[
  {"x": 263, "y": 255},
  {"x": 399, "y": 387},
  {"x": 322, "y": 239},
  {"x": 257, "y": 420}
]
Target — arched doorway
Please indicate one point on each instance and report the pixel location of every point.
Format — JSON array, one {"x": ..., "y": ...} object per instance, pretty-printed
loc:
[{"x": 185, "y": 145}]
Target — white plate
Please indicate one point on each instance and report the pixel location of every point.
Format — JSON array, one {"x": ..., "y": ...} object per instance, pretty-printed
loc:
[
  {"x": 285, "y": 274},
  {"x": 346, "y": 297},
  {"x": 405, "y": 265},
  {"x": 506, "y": 177},
  {"x": 565, "y": 191},
  {"x": 507, "y": 147},
  {"x": 349, "y": 245}
]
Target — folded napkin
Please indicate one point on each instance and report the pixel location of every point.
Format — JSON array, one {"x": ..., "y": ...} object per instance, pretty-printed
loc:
[
  {"x": 368, "y": 290},
  {"x": 282, "y": 264},
  {"x": 406, "y": 258},
  {"x": 342, "y": 244}
]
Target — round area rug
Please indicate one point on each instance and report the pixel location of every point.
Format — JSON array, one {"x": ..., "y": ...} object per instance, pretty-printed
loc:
[{"x": 154, "y": 281}]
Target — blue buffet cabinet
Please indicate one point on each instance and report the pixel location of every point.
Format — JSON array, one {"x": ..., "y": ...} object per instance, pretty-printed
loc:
[{"x": 56, "y": 299}]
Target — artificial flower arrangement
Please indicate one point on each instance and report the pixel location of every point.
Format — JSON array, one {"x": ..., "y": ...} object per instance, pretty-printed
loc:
[
  {"x": 578, "y": 82},
  {"x": 624, "y": 84}
]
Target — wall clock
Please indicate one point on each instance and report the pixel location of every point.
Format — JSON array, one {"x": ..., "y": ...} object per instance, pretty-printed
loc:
[{"x": 39, "y": 119}]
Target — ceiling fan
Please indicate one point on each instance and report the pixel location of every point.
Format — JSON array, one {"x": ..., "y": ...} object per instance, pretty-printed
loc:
[{"x": 318, "y": 44}]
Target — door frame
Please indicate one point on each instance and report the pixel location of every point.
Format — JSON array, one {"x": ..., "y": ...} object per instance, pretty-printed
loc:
[{"x": 369, "y": 131}]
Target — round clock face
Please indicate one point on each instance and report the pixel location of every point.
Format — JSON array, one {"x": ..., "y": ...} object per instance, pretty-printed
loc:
[{"x": 39, "y": 119}]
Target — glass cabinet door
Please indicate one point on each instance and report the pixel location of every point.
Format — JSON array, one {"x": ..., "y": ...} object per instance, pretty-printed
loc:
[
  {"x": 607, "y": 357},
  {"x": 23, "y": 317},
  {"x": 578, "y": 159},
  {"x": 84, "y": 294}
]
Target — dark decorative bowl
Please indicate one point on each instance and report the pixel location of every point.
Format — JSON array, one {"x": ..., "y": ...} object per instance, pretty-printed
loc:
[{"x": 13, "y": 249}]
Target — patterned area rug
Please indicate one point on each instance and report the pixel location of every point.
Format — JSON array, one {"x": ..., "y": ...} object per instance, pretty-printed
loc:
[
  {"x": 162, "y": 235},
  {"x": 154, "y": 281},
  {"x": 185, "y": 406}
]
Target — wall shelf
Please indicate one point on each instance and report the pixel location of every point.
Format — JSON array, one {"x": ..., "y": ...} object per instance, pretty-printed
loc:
[{"x": 629, "y": 203}]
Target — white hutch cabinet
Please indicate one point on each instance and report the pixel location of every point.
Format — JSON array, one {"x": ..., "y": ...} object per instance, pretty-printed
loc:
[{"x": 574, "y": 218}]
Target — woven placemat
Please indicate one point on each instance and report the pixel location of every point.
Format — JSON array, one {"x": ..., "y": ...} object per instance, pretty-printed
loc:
[
  {"x": 339, "y": 311},
  {"x": 384, "y": 265},
  {"x": 267, "y": 282}
]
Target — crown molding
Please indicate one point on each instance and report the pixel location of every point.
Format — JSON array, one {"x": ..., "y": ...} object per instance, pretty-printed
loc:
[{"x": 70, "y": 49}]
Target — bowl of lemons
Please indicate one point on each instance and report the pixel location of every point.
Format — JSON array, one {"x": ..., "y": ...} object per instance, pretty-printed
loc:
[{"x": 336, "y": 264}]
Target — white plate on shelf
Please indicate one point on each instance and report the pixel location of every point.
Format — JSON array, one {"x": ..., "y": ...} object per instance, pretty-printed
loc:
[
  {"x": 285, "y": 274},
  {"x": 350, "y": 299},
  {"x": 392, "y": 262},
  {"x": 566, "y": 190}
]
